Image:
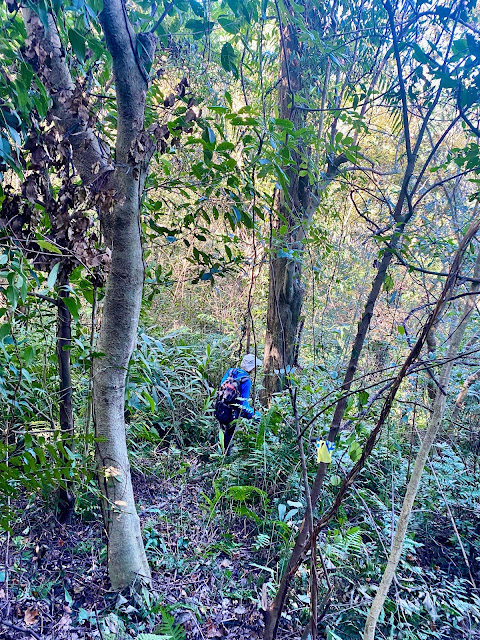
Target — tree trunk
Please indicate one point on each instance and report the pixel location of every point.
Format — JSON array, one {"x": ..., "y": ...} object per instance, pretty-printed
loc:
[
  {"x": 64, "y": 340},
  {"x": 434, "y": 425},
  {"x": 127, "y": 562},
  {"x": 122, "y": 188},
  {"x": 293, "y": 207},
  {"x": 126, "y": 556},
  {"x": 285, "y": 298}
]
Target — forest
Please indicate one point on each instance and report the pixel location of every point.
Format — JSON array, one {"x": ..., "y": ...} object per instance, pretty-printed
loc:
[{"x": 239, "y": 331}]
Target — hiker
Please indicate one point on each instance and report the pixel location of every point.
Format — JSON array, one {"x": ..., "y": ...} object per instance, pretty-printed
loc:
[{"x": 232, "y": 398}]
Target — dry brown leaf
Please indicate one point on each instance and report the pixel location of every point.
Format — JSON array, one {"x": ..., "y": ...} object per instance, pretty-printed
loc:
[
  {"x": 30, "y": 617},
  {"x": 240, "y": 610},
  {"x": 213, "y": 631},
  {"x": 225, "y": 563}
]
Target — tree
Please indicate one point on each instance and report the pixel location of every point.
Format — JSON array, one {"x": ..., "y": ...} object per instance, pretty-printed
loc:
[
  {"x": 121, "y": 186},
  {"x": 433, "y": 428},
  {"x": 296, "y": 200},
  {"x": 417, "y": 162},
  {"x": 57, "y": 247}
]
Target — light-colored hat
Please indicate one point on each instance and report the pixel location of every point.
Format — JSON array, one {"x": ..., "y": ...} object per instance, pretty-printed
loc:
[{"x": 249, "y": 362}]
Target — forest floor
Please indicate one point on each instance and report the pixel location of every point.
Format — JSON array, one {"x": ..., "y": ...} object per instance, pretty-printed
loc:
[
  {"x": 207, "y": 577},
  {"x": 211, "y": 569}
]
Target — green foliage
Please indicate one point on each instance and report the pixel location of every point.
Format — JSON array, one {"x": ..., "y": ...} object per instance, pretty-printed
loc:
[
  {"x": 171, "y": 386},
  {"x": 169, "y": 629},
  {"x": 209, "y": 197},
  {"x": 154, "y": 636}
]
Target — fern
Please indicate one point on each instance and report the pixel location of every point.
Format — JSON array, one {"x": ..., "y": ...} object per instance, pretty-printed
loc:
[
  {"x": 152, "y": 636},
  {"x": 169, "y": 629},
  {"x": 261, "y": 542}
]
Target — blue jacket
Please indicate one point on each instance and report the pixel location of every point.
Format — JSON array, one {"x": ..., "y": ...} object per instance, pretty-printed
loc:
[{"x": 245, "y": 387}]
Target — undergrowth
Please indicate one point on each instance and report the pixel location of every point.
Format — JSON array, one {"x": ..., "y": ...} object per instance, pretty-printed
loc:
[{"x": 231, "y": 522}]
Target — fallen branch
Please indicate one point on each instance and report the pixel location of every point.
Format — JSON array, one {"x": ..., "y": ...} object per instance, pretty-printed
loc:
[{"x": 14, "y": 627}]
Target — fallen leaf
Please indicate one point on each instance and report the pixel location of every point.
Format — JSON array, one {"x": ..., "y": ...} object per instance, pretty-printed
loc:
[
  {"x": 65, "y": 622},
  {"x": 213, "y": 631},
  {"x": 240, "y": 610},
  {"x": 225, "y": 563},
  {"x": 30, "y": 617}
]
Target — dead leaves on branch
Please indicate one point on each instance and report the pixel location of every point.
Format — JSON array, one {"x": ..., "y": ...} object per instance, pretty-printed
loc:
[
  {"x": 69, "y": 207},
  {"x": 155, "y": 138}
]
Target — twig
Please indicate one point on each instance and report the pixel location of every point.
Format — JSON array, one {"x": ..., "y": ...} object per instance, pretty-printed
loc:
[
  {"x": 162, "y": 17},
  {"x": 43, "y": 297},
  {"x": 9, "y": 625}
]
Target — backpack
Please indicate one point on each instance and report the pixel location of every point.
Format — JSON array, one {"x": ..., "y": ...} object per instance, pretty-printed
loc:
[{"x": 227, "y": 394}]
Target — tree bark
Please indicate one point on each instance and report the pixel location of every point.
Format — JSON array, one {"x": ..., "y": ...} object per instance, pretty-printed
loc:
[
  {"x": 122, "y": 191},
  {"x": 127, "y": 562},
  {"x": 64, "y": 341},
  {"x": 285, "y": 294},
  {"x": 434, "y": 425}
]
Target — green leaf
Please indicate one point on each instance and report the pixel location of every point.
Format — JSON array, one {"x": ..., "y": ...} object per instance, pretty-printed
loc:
[
  {"x": 227, "y": 58},
  {"x": 12, "y": 296},
  {"x": 229, "y": 25},
  {"x": 5, "y": 330},
  {"x": 335, "y": 480},
  {"x": 72, "y": 306},
  {"x": 181, "y": 5},
  {"x": 388, "y": 284},
  {"x": 233, "y": 4},
  {"x": 197, "y": 8},
  {"x": 49, "y": 246},
  {"x": 363, "y": 398},
  {"x": 420, "y": 55},
  {"x": 225, "y": 146},
  {"x": 77, "y": 40},
  {"x": 355, "y": 451},
  {"x": 52, "y": 276},
  {"x": 199, "y": 27},
  {"x": 401, "y": 330},
  {"x": 149, "y": 400},
  {"x": 211, "y": 136},
  {"x": 284, "y": 123},
  {"x": 29, "y": 355}
]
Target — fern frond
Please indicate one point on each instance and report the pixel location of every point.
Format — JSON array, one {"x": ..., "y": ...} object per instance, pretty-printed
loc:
[{"x": 170, "y": 629}]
